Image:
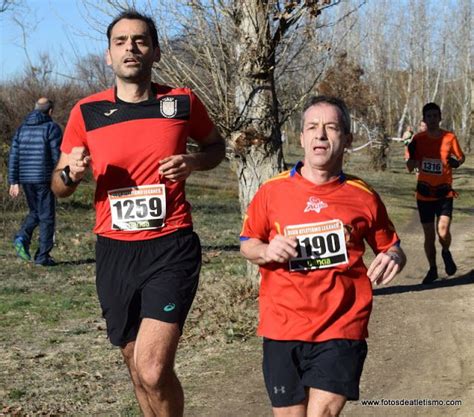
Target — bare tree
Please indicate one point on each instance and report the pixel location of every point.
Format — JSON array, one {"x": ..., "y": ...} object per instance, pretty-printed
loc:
[
  {"x": 93, "y": 72},
  {"x": 8, "y": 5},
  {"x": 237, "y": 55}
]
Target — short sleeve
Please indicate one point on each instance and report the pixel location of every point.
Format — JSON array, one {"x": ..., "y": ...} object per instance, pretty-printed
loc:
[
  {"x": 458, "y": 153},
  {"x": 382, "y": 234},
  {"x": 75, "y": 132},
  {"x": 256, "y": 222},
  {"x": 200, "y": 122}
]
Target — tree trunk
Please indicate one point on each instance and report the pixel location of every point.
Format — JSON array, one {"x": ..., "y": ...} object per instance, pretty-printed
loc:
[
  {"x": 256, "y": 142},
  {"x": 379, "y": 154}
]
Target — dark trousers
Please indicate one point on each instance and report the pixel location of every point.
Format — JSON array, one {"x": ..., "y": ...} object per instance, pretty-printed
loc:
[{"x": 42, "y": 204}]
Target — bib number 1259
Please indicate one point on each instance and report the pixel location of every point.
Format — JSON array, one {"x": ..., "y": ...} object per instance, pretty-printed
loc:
[{"x": 138, "y": 208}]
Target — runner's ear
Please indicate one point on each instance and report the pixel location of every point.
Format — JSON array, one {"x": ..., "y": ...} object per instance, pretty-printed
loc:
[
  {"x": 108, "y": 59},
  {"x": 349, "y": 139},
  {"x": 157, "y": 55}
]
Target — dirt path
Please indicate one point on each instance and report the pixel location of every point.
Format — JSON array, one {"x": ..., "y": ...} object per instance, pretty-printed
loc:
[{"x": 420, "y": 347}]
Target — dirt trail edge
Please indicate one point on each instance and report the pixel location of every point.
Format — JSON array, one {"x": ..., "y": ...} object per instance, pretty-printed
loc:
[{"x": 420, "y": 348}]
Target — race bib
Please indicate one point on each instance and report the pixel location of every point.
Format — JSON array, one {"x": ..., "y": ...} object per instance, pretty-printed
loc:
[
  {"x": 138, "y": 208},
  {"x": 320, "y": 245},
  {"x": 432, "y": 166}
]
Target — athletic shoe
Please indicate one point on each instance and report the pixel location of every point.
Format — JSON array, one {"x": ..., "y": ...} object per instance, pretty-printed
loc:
[
  {"x": 21, "y": 249},
  {"x": 47, "y": 262},
  {"x": 431, "y": 276},
  {"x": 449, "y": 265}
]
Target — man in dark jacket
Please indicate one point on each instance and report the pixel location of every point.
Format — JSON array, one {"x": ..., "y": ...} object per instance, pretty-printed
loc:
[{"x": 33, "y": 156}]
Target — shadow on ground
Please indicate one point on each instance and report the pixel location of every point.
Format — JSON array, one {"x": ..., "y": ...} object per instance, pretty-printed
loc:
[
  {"x": 400, "y": 289},
  {"x": 78, "y": 262},
  {"x": 224, "y": 248}
]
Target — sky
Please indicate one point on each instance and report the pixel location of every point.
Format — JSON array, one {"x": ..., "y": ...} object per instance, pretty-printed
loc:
[{"x": 55, "y": 26}]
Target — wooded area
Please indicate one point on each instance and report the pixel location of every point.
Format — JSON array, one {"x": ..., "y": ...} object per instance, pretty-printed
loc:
[{"x": 254, "y": 62}]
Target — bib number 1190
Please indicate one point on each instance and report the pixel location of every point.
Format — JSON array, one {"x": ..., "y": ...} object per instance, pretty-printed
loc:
[{"x": 320, "y": 245}]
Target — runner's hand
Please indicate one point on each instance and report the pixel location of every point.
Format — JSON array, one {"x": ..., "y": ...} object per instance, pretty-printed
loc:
[
  {"x": 280, "y": 249},
  {"x": 14, "y": 190},
  {"x": 384, "y": 268},
  {"x": 453, "y": 162},
  {"x": 78, "y": 161},
  {"x": 176, "y": 167}
]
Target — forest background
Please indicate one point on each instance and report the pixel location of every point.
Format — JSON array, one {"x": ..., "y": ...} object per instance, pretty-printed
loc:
[{"x": 252, "y": 62}]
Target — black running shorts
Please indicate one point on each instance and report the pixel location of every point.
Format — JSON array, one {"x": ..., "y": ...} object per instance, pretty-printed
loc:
[
  {"x": 429, "y": 209},
  {"x": 155, "y": 279},
  {"x": 289, "y": 367}
]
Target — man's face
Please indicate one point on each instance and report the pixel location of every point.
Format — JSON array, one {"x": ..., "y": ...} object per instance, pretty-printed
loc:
[
  {"x": 323, "y": 138},
  {"x": 432, "y": 118},
  {"x": 131, "y": 53}
]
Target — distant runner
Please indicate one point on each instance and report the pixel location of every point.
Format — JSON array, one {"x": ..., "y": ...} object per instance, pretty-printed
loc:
[{"x": 435, "y": 153}]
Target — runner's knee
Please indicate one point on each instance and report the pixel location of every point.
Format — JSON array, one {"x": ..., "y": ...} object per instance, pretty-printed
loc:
[{"x": 153, "y": 377}]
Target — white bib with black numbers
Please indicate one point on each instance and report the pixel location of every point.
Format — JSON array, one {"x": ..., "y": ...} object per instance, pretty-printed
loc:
[
  {"x": 138, "y": 208},
  {"x": 320, "y": 245},
  {"x": 432, "y": 166}
]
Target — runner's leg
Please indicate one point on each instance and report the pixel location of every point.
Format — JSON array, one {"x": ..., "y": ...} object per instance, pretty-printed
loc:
[
  {"x": 298, "y": 410},
  {"x": 324, "y": 404},
  {"x": 444, "y": 233},
  {"x": 430, "y": 249},
  {"x": 155, "y": 350},
  {"x": 140, "y": 393}
]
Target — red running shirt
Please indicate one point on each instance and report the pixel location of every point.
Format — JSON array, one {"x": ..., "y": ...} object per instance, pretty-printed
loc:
[
  {"x": 319, "y": 304},
  {"x": 433, "y": 154},
  {"x": 127, "y": 140}
]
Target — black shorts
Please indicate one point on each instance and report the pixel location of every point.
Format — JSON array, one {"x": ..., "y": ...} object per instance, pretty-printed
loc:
[
  {"x": 155, "y": 279},
  {"x": 429, "y": 209},
  {"x": 289, "y": 367}
]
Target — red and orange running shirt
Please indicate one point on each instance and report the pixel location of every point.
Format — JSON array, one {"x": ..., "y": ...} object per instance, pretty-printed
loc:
[
  {"x": 324, "y": 293},
  {"x": 126, "y": 141},
  {"x": 433, "y": 154}
]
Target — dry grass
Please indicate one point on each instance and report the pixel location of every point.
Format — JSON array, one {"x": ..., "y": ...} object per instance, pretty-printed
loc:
[{"x": 55, "y": 356}]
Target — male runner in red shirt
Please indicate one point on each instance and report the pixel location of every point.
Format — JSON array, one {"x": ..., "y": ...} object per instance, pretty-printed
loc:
[
  {"x": 306, "y": 229},
  {"x": 435, "y": 152},
  {"x": 133, "y": 137}
]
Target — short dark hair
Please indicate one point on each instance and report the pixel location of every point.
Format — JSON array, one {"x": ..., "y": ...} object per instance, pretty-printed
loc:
[
  {"x": 346, "y": 117},
  {"x": 134, "y": 15},
  {"x": 431, "y": 106}
]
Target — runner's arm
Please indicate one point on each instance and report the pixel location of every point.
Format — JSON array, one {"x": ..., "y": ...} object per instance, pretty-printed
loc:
[
  {"x": 456, "y": 163},
  {"x": 412, "y": 164},
  {"x": 211, "y": 153},
  {"x": 78, "y": 161},
  {"x": 386, "y": 265},
  {"x": 279, "y": 249}
]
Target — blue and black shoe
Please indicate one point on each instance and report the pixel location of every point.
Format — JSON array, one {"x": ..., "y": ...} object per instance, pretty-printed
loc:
[
  {"x": 49, "y": 261},
  {"x": 21, "y": 249}
]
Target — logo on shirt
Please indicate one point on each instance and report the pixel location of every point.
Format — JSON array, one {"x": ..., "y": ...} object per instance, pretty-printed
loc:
[
  {"x": 315, "y": 204},
  {"x": 110, "y": 112},
  {"x": 168, "y": 107}
]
